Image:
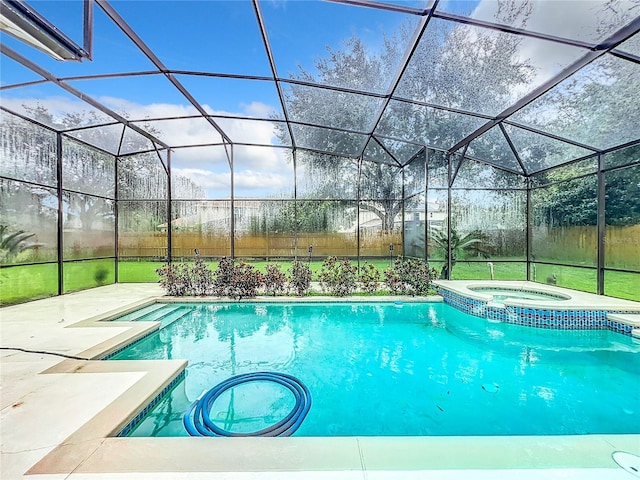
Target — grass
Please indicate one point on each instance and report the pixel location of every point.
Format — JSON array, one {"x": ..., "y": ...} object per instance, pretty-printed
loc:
[
  {"x": 24, "y": 283},
  {"x": 618, "y": 284},
  {"x": 20, "y": 284},
  {"x": 137, "y": 272}
]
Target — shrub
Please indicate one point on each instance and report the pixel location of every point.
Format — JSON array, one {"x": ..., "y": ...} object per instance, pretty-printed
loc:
[
  {"x": 100, "y": 275},
  {"x": 223, "y": 279},
  {"x": 338, "y": 277},
  {"x": 274, "y": 280},
  {"x": 394, "y": 282},
  {"x": 410, "y": 277},
  {"x": 300, "y": 278},
  {"x": 181, "y": 279},
  {"x": 201, "y": 278},
  {"x": 174, "y": 278},
  {"x": 246, "y": 281},
  {"x": 369, "y": 278},
  {"x": 421, "y": 276},
  {"x": 236, "y": 280}
]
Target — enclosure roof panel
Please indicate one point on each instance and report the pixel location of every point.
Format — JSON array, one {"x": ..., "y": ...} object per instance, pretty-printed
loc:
[
  {"x": 137, "y": 97},
  {"x": 596, "y": 106},
  {"x": 207, "y": 36},
  {"x": 479, "y": 70},
  {"x": 430, "y": 126},
  {"x": 182, "y": 131},
  {"x": 496, "y": 149},
  {"x": 113, "y": 51},
  {"x": 375, "y": 152},
  {"x": 631, "y": 46},
  {"x": 520, "y": 84},
  {"x": 235, "y": 96},
  {"x": 309, "y": 38},
  {"x": 401, "y": 151},
  {"x": 590, "y": 21}
]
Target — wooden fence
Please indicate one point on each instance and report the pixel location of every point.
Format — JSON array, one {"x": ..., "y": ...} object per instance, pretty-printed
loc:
[
  {"x": 154, "y": 244},
  {"x": 563, "y": 244},
  {"x": 579, "y": 245}
]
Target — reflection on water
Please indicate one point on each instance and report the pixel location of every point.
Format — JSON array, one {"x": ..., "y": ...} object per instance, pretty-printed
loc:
[{"x": 373, "y": 369}]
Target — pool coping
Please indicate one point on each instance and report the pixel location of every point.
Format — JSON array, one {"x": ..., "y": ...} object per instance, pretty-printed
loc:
[{"x": 91, "y": 451}]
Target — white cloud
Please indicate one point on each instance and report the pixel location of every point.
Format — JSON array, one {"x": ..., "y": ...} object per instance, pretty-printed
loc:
[
  {"x": 258, "y": 109},
  {"x": 247, "y": 131},
  {"x": 136, "y": 111},
  {"x": 216, "y": 183},
  {"x": 200, "y": 157},
  {"x": 252, "y": 182},
  {"x": 261, "y": 158}
]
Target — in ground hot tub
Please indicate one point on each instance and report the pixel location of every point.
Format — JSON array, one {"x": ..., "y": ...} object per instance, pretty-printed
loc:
[{"x": 500, "y": 294}]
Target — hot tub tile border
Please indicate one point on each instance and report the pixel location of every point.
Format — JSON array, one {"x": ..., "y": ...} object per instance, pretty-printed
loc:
[{"x": 546, "y": 318}]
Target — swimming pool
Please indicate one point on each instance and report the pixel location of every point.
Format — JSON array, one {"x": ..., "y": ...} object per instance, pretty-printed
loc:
[{"x": 385, "y": 369}]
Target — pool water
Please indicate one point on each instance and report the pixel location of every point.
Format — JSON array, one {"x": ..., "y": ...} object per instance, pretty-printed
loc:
[
  {"x": 385, "y": 369},
  {"x": 501, "y": 294}
]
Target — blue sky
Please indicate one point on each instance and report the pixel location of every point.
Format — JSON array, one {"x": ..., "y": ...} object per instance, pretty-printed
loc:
[
  {"x": 208, "y": 36},
  {"x": 222, "y": 36}
]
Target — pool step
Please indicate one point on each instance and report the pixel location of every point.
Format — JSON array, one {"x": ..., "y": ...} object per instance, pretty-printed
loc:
[
  {"x": 159, "y": 314},
  {"x": 137, "y": 314},
  {"x": 174, "y": 316}
]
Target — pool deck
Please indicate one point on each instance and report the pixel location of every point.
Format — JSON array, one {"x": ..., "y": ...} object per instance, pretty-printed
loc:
[{"x": 58, "y": 414}]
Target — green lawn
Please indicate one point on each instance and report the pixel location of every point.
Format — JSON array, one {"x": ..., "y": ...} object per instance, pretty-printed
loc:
[
  {"x": 19, "y": 284},
  {"x": 23, "y": 283},
  {"x": 136, "y": 272}
]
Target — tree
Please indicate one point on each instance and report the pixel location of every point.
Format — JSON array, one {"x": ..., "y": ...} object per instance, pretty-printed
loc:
[
  {"x": 445, "y": 69},
  {"x": 14, "y": 243},
  {"x": 302, "y": 216},
  {"x": 473, "y": 243},
  {"x": 622, "y": 191},
  {"x": 575, "y": 202},
  {"x": 89, "y": 170}
]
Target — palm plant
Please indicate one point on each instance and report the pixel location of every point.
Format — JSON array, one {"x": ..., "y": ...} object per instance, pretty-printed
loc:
[
  {"x": 473, "y": 242},
  {"x": 14, "y": 243}
]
